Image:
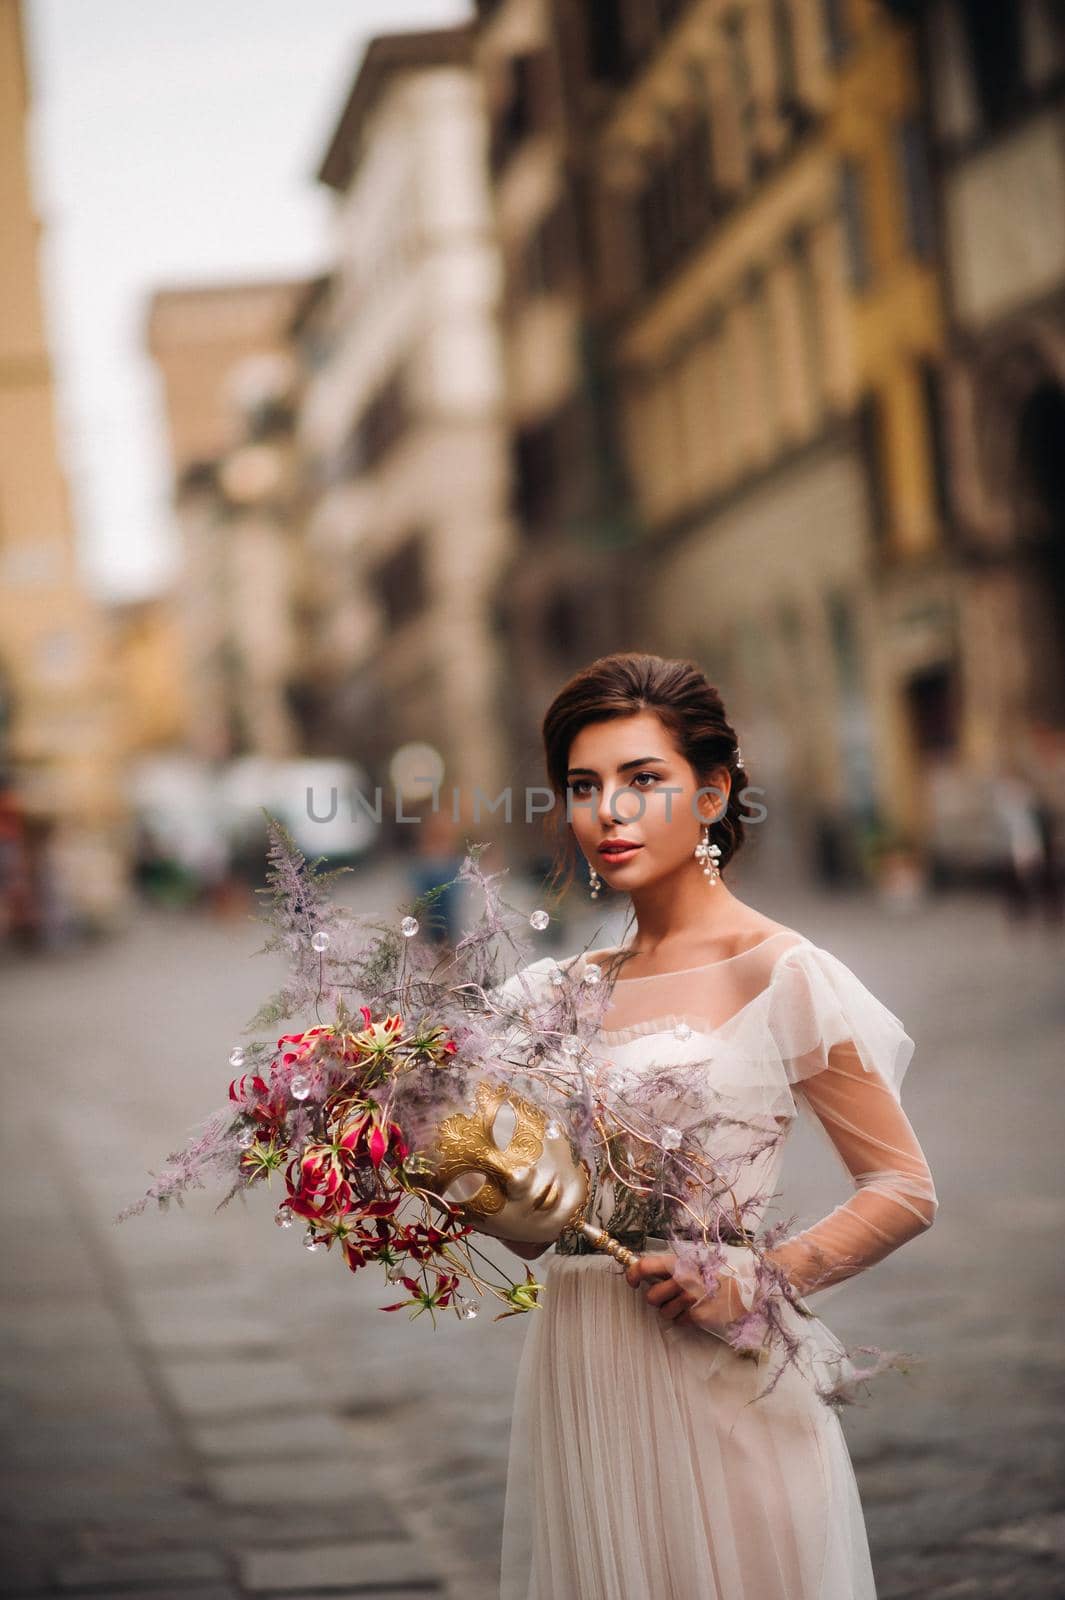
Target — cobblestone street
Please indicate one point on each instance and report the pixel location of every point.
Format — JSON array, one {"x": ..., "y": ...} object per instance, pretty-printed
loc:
[{"x": 195, "y": 1406}]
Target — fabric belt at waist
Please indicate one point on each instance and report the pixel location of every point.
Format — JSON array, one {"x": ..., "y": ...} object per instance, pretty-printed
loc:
[{"x": 575, "y": 1244}]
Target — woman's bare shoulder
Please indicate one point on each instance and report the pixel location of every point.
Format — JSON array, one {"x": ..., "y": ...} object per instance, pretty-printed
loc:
[
  {"x": 753, "y": 931},
  {"x": 766, "y": 928}
]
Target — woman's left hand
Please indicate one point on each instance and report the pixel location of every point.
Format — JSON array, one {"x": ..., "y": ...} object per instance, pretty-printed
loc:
[{"x": 680, "y": 1297}]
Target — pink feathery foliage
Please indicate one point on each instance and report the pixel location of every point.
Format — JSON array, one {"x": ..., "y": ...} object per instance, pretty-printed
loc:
[{"x": 205, "y": 1157}]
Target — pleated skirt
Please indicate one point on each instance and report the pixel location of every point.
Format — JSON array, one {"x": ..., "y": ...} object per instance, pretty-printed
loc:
[{"x": 639, "y": 1469}]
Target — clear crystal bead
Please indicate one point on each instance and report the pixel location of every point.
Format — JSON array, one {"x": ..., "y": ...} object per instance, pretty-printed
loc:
[
  {"x": 236, "y": 1056},
  {"x": 682, "y": 1031},
  {"x": 468, "y": 1310},
  {"x": 408, "y": 927},
  {"x": 554, "y": 1129},
  {"x": 320, "y": 940},
  {"x": 283, "y": 1217},
  {"x": 571, "y": 1045},
  {"x": 310, "y": 1242},
  {"x": 246, "y": 1138},
  {"x": 592, "y": 973},
  {"x": 671, "y": 1136},
  {"x": 540, "y": 920},
  {"x": 300, "y": 1086},
  {"x": 558, "y": 977}
]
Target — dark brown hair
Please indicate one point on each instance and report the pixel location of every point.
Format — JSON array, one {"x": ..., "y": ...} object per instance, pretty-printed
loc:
[{"x": 687, "y": 704}]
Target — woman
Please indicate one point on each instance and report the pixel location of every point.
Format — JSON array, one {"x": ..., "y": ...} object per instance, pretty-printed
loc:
[{"x": 638, "y": 1468}]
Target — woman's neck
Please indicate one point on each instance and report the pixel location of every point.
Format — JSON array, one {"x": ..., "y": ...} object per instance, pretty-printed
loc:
[{"x": 682, "y": 910}]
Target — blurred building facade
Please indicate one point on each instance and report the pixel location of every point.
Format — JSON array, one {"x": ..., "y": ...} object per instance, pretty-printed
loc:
[
  {"x": 566, "y": 594},
  {"x": 996, "y": 105},
  {"x": 63, "y": 834},
  {"x": 404, "y": 522},
  {"x": 760, "y": 206},
  {"x": 229, "y": 379},
  {"x": 731, "y": 330}
]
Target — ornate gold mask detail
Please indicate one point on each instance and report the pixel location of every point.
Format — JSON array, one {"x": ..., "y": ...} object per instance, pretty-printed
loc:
[{"x": 490, "y": 1142}]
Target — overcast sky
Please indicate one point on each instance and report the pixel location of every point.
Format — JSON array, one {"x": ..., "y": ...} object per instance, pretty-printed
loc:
[{"x": 172, "y": 143}]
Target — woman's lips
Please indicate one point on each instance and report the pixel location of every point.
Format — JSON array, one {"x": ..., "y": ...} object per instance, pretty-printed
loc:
[{"x": 620, "y": 855}]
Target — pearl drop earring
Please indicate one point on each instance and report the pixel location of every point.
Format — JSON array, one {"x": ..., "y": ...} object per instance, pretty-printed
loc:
[
  {"x": 593, "y": 881},
  {"x": 708, "y": 855}
]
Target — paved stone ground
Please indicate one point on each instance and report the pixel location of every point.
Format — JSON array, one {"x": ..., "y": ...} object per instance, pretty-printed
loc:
[{"x": 194, "y": 1406}]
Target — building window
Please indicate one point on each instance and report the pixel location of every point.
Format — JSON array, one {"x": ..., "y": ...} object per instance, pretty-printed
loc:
[
  {"x": 526, "y": 107},
  {"x": 918, "y": 198},
  {"x": 740, "y": 75},
  {"x": 622, "y": 35},
  {"x": 400, "y": 581},
  {"x": 933, "y": 703},
  {"x": 837, "y": 29},
  {"x": 604, "y": 30},
  {"x": 379, "y": 427},
  {"x": 784, "y": 47},
  {"x": 810, "y": 312},
  {"x": 677, "y": 202},
  {"x": 1043, "y": 31},
  {"x": 564, "y": 623},
  {"x": 996, "y": 50},
  {"x": 871, "y": 438},
  {"x": 549, "y": 254},
  {"x": 539, "y": 471},
  {"x": 932, "y": 395},
  {"x": 852, "y": 197},
  {"x": 766, "y": 381}
]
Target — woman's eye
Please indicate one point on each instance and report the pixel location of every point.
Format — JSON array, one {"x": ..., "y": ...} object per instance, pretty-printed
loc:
[
  {"x": 579, "y": 785},
  {"x": 503, "y": 1125}
]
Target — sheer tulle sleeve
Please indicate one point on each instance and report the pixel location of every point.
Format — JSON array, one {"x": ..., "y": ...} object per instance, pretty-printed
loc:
[{"x": 844, "y": 1054}]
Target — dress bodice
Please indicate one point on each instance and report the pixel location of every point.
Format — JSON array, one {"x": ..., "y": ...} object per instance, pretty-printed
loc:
[{"x": 723, "y": 1052}]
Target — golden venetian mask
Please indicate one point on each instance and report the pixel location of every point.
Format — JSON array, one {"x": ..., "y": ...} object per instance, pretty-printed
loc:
[{"x": 512, "y": 1180}]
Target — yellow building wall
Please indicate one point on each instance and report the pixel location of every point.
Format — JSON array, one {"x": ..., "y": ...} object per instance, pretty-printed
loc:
[{"x": 61, "y": 746}]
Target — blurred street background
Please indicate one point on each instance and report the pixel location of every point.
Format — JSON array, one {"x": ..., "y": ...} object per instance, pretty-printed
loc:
[{"x": 365, "y": 370}]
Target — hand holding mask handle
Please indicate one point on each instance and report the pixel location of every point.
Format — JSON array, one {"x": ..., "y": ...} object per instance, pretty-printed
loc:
[
  {"x": 515, "y": 1174},
  {"x": 596, "y": 1236}
]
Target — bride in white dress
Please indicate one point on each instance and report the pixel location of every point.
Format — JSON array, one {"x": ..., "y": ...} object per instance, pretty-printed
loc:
[{"x": 638, "y": 1470}]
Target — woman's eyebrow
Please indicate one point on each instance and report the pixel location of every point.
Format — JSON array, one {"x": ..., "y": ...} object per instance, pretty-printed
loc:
[{"x": 590, "y": 772}]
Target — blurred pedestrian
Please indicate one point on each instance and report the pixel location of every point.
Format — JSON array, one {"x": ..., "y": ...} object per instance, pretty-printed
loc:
[
  {"x": 16, "y": 897},
  {"x": 1016, "y": 808},
  {"x": 437, "y": 859},
  {"x": 1053, "y": 877}
]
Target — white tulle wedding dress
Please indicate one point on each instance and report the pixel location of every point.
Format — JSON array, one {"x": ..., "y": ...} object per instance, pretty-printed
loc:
[{"x": 637, "y": 1468}]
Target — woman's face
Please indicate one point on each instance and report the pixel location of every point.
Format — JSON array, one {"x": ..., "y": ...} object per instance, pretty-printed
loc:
[{"x": 621, "y": 768}]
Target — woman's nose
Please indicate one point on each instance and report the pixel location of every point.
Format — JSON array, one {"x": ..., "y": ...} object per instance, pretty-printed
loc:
[
  {"x": 611, "y": 805},
  {"x": 619, "y": 805}
]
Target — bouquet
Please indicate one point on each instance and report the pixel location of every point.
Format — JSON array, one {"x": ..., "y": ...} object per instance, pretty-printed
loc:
[
  {"x": 418, "y": 1094},
  {"x": 340, "y": 1112}
]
